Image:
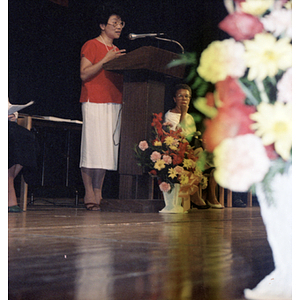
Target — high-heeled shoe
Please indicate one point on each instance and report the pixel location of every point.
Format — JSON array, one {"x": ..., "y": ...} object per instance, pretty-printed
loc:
[
  {"x": 14, "y": 209},
  {"x": 193, "y": 205},
  {"x": 92, "y": 206},
  {"x": 219, "y": 205}
]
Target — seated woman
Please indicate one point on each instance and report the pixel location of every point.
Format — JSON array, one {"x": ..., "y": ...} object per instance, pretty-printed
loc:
[
  {"x": 21, "y": 155},
  {"x": 179, "y": 117}
]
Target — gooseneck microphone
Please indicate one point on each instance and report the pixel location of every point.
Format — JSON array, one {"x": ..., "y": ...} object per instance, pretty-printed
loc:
[{"x": 133, "y": 36}]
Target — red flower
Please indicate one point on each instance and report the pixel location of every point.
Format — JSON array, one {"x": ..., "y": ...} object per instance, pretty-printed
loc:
[
  {"x": 156, "y": 123},
  {"x": 182, "y": 148},
  {"x": 229, "y": 122},
  {"x": 230, "y": 92},
  {"x": 153, "y": 172},
  {"x": 157, "y": 118},
  {"x": 159, "y": 131},
  {"x": 241, "y": 26},
  {"x": 177, "y": 159}
]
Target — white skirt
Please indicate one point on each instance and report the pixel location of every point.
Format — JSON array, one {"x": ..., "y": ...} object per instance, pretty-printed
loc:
[{"x": 100, "y": 135}]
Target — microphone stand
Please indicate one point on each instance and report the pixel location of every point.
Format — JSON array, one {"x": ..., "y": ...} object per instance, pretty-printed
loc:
[{"x": 172, "y": 41}]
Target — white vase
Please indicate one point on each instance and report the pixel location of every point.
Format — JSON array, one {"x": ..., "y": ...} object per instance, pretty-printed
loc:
[
  {"x": 277, "y": 218},
  {"x": 172, "y": 201}
]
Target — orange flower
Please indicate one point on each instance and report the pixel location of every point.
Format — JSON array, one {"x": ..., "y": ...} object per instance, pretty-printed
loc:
[{"x": 229, "y": 122}]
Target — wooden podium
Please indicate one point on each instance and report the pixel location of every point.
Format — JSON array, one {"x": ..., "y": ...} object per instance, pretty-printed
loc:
[{"x": 146, "y": 76}]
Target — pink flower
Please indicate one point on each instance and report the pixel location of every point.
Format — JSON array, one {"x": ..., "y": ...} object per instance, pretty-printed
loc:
[
  {"x": 240, "y": 162},
  {"x": 179, "y": 169},
  {"x": 272, "y": 154},
  {"x": 241, "y": 26},
  {"x": 164, "y": 187},
  {"x": 155, "y": 156},
  {"x": 143, "y": 145},
  {"x": 230, "y": 92},
  {"x": 167, "y": 159},
  {"x": 284, "y": 87}
]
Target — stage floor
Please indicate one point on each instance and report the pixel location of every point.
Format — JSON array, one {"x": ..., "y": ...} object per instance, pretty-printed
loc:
[{"x": 71, "y": 253}]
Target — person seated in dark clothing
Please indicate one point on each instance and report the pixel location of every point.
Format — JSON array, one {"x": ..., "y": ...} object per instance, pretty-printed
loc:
[{"x": 22, "y": 150}]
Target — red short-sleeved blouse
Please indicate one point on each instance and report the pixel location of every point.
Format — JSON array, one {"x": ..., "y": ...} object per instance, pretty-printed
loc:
[{"x": 105, "y": 87}]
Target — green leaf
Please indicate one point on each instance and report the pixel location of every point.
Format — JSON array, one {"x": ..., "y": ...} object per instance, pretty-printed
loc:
[
  {"x": 200, "y": 104},
  {"x": 185, "y": 59}
]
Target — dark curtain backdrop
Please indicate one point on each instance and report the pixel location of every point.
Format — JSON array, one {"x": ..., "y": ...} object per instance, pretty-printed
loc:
[{"x": 45, "y": 39}]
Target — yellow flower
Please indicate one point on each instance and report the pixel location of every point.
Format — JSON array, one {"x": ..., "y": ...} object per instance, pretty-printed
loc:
[
  {"x": 288, "y": 5},
  {"x": 256, "y": 7},
  {"x": 188, "y": 163},
  {"x": 157, "y": 143},
  {"x": 274, "y": 125},
  {"x": 265, "y": 56},
  {"x": 184, "y": 179},
  {"x": 172, "y": 173},
  {"x": 169, "y": 140},
  {"x": 217, "y": 61},
  {"x": 159, "y": 164},
  {"x": 198, "y": 172},
  {"x": 174, "y": 148}
]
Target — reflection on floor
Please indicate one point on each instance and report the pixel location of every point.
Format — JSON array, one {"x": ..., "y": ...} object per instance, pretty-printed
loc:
[{"x": 71, "y": 253}]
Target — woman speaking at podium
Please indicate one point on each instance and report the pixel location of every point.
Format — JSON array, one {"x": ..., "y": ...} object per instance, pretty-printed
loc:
[{"x": 101, "y": 98}]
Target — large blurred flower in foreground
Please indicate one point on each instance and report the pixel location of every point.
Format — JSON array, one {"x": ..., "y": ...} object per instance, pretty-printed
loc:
[
  {"x": 279, "y": 22},
  {"x": 284, "y": 87},
  {"x": 240, "y": 162},
  {"x": 265, "y": 56},
  {"x": 241, "y": 26},
  {"x": 217, "y": 61},
  {"x": 274, "y": 125},
  {"x": 256, "y": 7},
  {"x": 229, "y": 122}
]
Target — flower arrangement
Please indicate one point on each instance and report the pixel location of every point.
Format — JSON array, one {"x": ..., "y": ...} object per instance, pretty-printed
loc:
[
  {"x": 170, "y": 157},
  {"x": 249, "y": 113}
]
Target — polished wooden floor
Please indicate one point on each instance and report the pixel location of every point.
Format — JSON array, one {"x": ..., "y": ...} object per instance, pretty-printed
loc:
[{"x": 71, "y": 253}]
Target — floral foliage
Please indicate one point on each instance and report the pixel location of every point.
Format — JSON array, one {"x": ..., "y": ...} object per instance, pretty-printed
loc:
[
  {"x": 170, "y": 158},
  {"x": 249, "y": 115}
]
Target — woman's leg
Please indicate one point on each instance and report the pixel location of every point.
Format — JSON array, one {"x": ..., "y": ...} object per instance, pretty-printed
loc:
[
  {"x": 87, "y": 178},
  {"x": 12, "y": 174},
  {"x": 211, "y": 191},
  {"x": 98, "y": 180},
  {"x": 93, "y": 181},
  {"x": 196, "y": 198}
]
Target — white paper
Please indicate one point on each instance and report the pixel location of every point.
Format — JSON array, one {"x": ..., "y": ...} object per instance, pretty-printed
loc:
[
  {"x": 14, "y": 108},
  {"x": 56, "y": 119}
]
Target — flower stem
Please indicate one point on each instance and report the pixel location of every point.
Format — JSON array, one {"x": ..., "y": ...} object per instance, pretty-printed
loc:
[
  {"x": 248, "y": 93},
  {"x": 263, "y": 95}
]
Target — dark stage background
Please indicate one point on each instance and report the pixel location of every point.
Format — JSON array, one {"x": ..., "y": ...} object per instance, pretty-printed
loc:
[{"x": 45, "y": 39}]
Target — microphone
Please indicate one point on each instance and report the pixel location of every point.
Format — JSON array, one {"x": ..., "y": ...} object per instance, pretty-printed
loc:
[{"x": 133, "y": 36}]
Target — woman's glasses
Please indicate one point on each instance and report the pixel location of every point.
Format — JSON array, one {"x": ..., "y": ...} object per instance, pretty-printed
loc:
[
  {"x": 115, "y": 24},
  {"x": 183, "y": 96}
]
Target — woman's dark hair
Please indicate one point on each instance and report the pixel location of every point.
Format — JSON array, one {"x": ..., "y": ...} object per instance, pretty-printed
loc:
[
  {"x": 182, "y": 86},
  {"x": 105, "y": 10}
]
